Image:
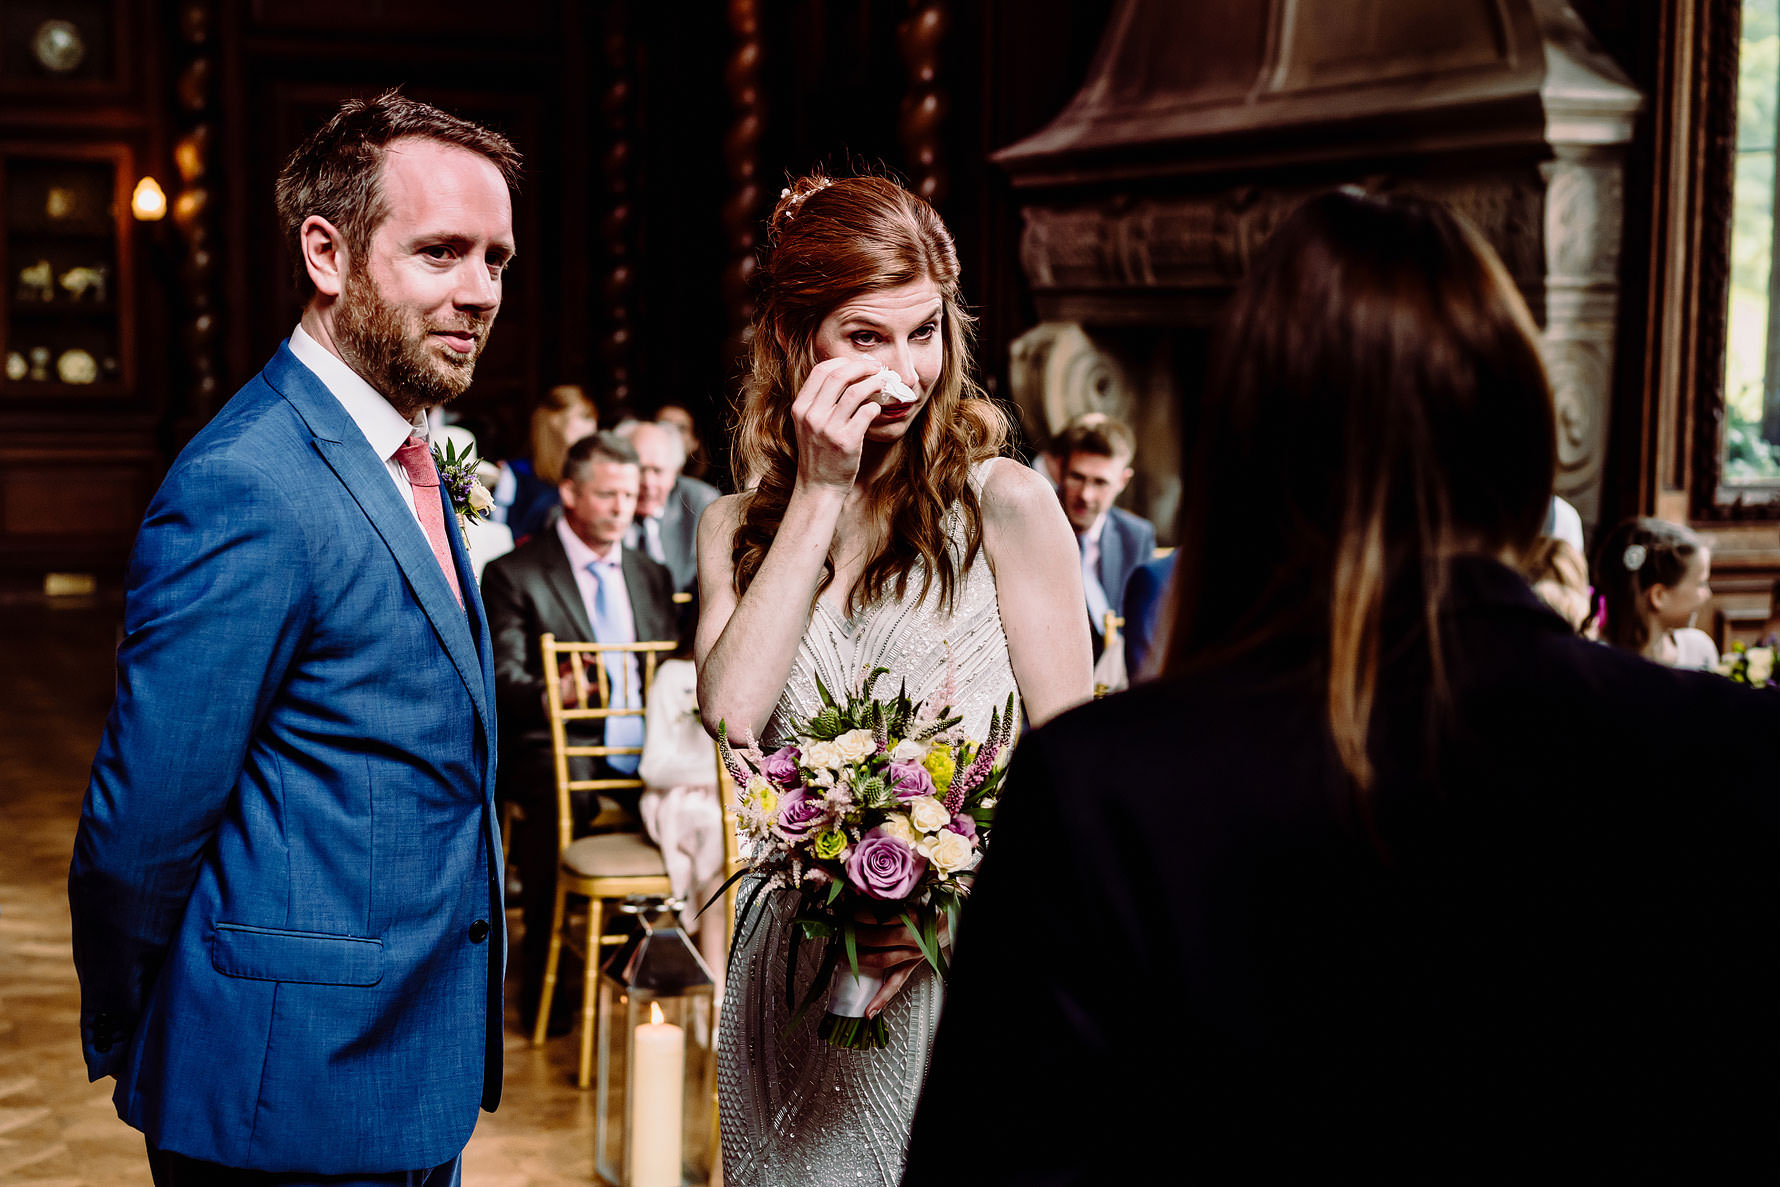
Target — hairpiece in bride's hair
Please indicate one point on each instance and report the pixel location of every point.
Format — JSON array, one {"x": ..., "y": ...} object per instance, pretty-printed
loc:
[{"x": 816, "y": 184}]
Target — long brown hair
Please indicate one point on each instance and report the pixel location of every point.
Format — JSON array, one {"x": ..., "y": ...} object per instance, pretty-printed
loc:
[
  {"x": 549, "y": 446},
  {"x": 1377, "y": 394},
  {"x": 828, "y": 241}
]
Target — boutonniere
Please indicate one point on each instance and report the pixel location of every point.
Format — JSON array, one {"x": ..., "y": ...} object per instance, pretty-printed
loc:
[{"x": 469, "y": 498}]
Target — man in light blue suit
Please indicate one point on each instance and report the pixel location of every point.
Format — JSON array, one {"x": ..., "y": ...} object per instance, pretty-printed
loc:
[
  {"x": 1093, "y": 455},
  {"x": 287, "y": 919}
]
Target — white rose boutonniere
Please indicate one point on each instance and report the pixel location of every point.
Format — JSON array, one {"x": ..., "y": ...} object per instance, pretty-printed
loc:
[{"x": 457, "y": 473}]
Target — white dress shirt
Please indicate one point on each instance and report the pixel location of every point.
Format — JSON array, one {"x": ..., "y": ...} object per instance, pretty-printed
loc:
[
  {"x": 376, "y": 418},
  {"x": 580, "y": 556}
]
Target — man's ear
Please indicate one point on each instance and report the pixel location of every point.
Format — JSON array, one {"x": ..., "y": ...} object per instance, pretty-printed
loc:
[
  {"x": 565, "y": 490},
  {"x": 324, "y": 255}
]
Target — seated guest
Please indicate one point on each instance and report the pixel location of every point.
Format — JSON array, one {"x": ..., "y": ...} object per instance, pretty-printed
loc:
[
  {"x": 679, "y": 805},
  {"x": 577, "y": 581},
  {"x": 526, "y": 492},
  {"x": 698, "y": 465},
  {"x": 1388, "y": 877},
  {"x": 668, "y": 503},
  {"x": 1093, "y": 457},
  {"x": 1559, "y": 575},
  {"x": 1653, "y": 576},
  {"x": 1144, "y": 597}
]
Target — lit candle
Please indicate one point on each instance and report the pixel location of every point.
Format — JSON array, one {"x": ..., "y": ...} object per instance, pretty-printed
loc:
[{"x": 658, "y": 1086}]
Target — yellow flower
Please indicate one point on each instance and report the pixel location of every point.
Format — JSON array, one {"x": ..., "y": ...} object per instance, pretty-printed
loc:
[
  {"x": 831, "y": 844},
  {"x": 940, "y": 767}
]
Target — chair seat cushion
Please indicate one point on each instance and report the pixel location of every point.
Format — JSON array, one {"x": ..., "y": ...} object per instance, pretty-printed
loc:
[{"x": 614, "y": 855}]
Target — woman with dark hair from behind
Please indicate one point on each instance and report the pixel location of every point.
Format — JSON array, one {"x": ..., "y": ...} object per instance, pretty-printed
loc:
[{"x": 1325, "y": 898}]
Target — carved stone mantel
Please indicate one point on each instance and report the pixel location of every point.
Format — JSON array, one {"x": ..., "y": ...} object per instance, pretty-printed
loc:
[{"x": 1202, "y": 126}]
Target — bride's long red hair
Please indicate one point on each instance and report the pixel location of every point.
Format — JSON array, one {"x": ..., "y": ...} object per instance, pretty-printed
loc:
[{"x": 829, "y": 241}]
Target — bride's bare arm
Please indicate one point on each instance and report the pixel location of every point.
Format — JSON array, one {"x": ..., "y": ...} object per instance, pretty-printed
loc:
[
  {"x": 745, "y": 646},
  {"x": 1038, "y": 584}
]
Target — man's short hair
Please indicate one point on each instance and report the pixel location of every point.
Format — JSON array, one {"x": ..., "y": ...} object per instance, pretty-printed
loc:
[
  {"x": 337, "y": 172},
  {"x": 630, "y": 428},
  {"x": 600, "y": 447},
  {"x": 1102, "y": 437}
]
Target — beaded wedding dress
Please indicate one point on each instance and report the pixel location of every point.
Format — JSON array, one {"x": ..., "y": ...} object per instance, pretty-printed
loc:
[{"x": 797, "y": 1112}]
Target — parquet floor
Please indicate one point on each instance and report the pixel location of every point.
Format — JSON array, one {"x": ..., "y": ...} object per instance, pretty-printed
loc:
[{"x": 57, "y": 1130}]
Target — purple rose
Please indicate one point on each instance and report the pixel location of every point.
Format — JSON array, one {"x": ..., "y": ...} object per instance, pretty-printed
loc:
[
  {"x": 964, "y": 826},
  {"x": 910, "y": 779},
  {"x": 882, "y": 867},
  {"x": 800, "y": 813},
  {"x": 780, "y": 767}
]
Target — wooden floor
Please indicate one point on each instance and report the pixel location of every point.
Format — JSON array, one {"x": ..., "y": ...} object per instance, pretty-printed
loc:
[{"x": 55, "y": 1128}]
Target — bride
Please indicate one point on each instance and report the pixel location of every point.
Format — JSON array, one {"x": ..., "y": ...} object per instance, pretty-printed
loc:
[{"x": 873, "y": 534}]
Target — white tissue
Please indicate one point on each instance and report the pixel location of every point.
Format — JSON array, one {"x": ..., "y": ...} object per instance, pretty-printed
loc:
[{"x": 894, "y": 391}]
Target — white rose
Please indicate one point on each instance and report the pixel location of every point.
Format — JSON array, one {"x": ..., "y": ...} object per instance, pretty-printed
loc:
[
  {"x": 950, "y": 852},
  {"x": 479, "y": 498},
  {"x": 856, "y": 745},
  {"x": 823, "y": 754},
  {"x": 907, "y": 751},
  {"x": 928, "y": 814},
  {"x": 897, "y": 825},
  {"x": 1761, "y": 664}
]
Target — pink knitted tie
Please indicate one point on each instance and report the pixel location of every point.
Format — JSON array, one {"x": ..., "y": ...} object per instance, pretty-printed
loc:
[{"x": 417, "y": 460}]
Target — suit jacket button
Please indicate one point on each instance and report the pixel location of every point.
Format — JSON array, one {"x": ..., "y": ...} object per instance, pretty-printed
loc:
[{"x": 478, "y": 931}]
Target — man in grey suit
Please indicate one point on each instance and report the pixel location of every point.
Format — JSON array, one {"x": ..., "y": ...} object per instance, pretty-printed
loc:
[
  {"x": 577, "y": 581},
  {"x": 668, "y": 502},
  {"x": 1093, "y": 465}
]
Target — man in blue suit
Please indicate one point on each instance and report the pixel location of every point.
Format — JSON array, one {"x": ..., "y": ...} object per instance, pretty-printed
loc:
[
  {"x": 287, "y": 920},
  {"x": 1093, "y": 458}
]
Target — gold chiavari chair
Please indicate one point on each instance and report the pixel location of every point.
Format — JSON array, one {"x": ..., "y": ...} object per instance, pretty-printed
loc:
[{"x": 605, "y": 867}]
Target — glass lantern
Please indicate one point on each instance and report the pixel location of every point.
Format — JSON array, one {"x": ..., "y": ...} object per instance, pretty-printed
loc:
[{"x": 656, "y": 1091}]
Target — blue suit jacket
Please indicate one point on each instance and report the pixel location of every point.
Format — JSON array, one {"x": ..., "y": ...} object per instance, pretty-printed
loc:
[
  {"x": 1143, "y": 612},
  {"x": 1126, "y": 542},
  {"x": 286, "y": 924}
]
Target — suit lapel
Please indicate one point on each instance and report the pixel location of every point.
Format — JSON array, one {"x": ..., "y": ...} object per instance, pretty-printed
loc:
[
  {"x": 643, "y": 604},
  {"x": 1112, "y": 562},
  {"x": 362, "y": 473},
  {"x": 561, "y": 580}
]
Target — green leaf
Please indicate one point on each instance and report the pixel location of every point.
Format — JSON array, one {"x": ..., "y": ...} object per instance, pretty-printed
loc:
[{"x": 850, "y": 937}]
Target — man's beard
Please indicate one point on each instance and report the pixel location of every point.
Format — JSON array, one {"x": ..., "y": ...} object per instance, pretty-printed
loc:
[{"x": 376, "y": 341}]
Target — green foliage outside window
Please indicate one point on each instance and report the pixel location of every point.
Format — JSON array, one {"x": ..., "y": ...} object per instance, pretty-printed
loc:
[{"x": 1749, "y": 383}]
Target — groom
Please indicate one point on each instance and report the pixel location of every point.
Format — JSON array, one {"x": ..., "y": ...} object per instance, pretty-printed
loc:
[{"x": 287, "y": 923}]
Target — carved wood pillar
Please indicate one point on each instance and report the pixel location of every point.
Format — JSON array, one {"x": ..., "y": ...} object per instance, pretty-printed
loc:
[
  {"x": 921, "y": 35},
  {"x": 741, "y": 159},
  {"x": 617, "y": 347},
  {"x": 194, "y": 209}
]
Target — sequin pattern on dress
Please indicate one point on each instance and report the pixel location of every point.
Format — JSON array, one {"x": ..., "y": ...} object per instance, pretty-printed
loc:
[{"x": 797, "y": 1112}]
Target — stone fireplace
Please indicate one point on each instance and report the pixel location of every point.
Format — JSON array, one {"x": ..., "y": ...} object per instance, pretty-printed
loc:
[{"x": 1201, "y": 125}]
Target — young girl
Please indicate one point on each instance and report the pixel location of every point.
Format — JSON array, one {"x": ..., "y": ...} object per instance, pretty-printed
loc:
[{"x": 1653, "y": 575}]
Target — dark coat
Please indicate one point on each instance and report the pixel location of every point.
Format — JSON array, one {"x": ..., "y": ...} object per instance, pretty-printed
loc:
[
  {"x": 1126, "y": 542},
  {"x": 1545, "y": 951},
  {"x": 532, "y": 591}
]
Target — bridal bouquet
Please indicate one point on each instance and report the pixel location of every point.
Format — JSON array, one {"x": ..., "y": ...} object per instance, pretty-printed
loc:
[{"x": 881, "y": 807}]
